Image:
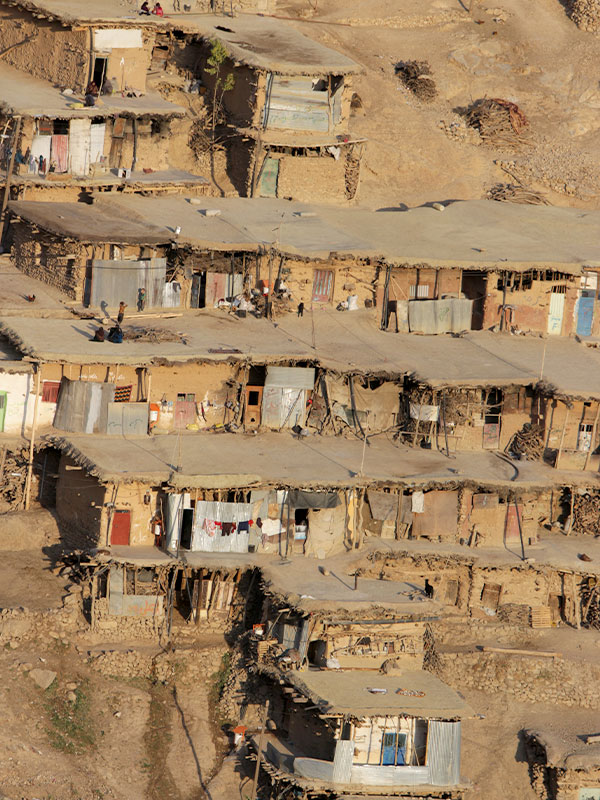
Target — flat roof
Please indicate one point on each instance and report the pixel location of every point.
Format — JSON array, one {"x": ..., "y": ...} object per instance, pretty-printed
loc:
[
  {"x": 234, "y": 460},
  {"x": 476, "y": 234},
  {"x": 413, "y": 692},
  {"x": 162, "y": 178},
  {"x": 566, "y": 748},
  {"x": 259, "y": 41},
  {"x": 266, "y": 43},
  {"x": 70, "y": 219},
  {"x": 348, "y": 342},
  {"x": 21, "y": 93}
]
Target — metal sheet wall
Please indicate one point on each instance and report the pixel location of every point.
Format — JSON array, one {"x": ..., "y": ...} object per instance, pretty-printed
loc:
[
  {"x": 443, "y": 752},
  {"x": 290, "y": 377},
  {"x": 293, "y": 104},
  {"x": 342, "y": 761},
  {"x": 127, "y": 419},
  {"x": 113, "y": 281},
  {"x": 440, "y": 316},
  {"x": 82, "y": 406}
]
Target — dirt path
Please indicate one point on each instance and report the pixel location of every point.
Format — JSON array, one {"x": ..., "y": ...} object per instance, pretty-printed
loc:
[{"x": 157, "y": 741}]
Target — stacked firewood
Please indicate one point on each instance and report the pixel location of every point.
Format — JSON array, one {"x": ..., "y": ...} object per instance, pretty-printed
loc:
[
  {"x": 499, "y": 122},
  {"x": 590, "y": 604},
  {"x": 586, "y": 514},
  {"x": 513, "y": 193},
  {"x": 415, "y": 75},
  {"x": 13, "y": 472},
  {"x": 528, "y": 443}
]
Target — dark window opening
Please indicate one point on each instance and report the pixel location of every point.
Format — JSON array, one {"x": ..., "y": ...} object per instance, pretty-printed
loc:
[
  {"x": 253, "y": 398},
  {"x": 60, "y": 127}
]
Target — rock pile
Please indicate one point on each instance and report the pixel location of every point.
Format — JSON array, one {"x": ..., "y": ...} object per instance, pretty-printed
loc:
[{"x": 585, "y": 14}]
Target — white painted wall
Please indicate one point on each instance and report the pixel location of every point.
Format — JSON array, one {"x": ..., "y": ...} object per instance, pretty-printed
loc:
[{"x": 21, "y": 402}]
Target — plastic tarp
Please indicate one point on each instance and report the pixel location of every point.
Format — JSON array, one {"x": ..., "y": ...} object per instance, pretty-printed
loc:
[
  {"x": 119, "y": 38},
  {"x": 82, "y": 406},
  {"x": 451, "y": 315},
  {"x": 79, "y": 146},
  {"x": 383, "y": 505},
  {"x": 424, "y": 413},
  {"x": 299, "y": 499},
  {"x": 443, "y": 752},
  {"x": 290, "y": 377},
  {"x": 209, "y": 533},
  {"x": 127, "y": 419},
  {"x": 116, "y": 280}
]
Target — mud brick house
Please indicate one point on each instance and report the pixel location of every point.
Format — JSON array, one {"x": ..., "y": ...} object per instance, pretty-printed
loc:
[
  {"x": 394, "y": 735},
  {"x": 56, "y": 143},
  {"x": 424, "y": 271},
  {"x": 564, "y": 765},
  {"x": 290, "y": 103}
]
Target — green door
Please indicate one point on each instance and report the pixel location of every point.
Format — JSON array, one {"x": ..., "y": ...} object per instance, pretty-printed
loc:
[
  {"x": 3, "y": 400},
  {"x": 269, "y": 174}
]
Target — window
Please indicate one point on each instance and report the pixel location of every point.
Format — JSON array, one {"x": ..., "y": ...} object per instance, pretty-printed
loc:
[
  {"x": 50, "y": 391},
  {"x": 122, "y": 394},
  {"x": 253, "y": 398},
  {"x": 60, "y": 127}
]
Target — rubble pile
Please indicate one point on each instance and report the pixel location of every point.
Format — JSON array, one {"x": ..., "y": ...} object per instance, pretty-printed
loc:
[{"x": 585, "y": 14}]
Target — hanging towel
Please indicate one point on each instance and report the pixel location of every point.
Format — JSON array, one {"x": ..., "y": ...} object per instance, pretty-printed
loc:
[
  {"x": 418, "y": 503},
  {"x": 60, "y": 152}
]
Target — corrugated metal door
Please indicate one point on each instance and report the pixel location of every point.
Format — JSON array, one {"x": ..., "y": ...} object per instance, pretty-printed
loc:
[
  {"x": 79, "y": 146},
  {"x": 322, "y": 285},
  {"x": 295, "y": 104},
  {"x": 443, "y": 752},
  {"x": 585, "y": 315},
  {"x": 556, "y": 311},
  {"x": 185, "y": 410}
]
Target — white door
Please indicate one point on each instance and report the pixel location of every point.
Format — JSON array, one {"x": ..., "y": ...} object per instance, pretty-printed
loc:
[
  {"x": 97, "y": 134},
  {"x": 79, "y": 146},
  {"x": 555, "y": 314}
]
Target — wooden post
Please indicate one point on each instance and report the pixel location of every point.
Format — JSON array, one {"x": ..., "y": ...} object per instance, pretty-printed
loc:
[
  {"x": 261, "y": 740},
  {"x": 9, "y": 172},
  {"x": 562, "y": 438},
  {"x": 27, "y": 494},
  {"x": 594, "y": 428}
]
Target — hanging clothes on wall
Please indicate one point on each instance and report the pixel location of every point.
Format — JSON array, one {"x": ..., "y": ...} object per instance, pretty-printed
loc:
[{"x": 217, "y": 527}]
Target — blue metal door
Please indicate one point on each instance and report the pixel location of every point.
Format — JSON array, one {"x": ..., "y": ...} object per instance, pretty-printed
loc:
[
  {"x": 585, "y": 315},
  {"x": 393, "y": 747}
]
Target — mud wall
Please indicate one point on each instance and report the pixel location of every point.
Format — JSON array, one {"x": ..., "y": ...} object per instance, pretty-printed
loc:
[{"x": 53, "y": 53}]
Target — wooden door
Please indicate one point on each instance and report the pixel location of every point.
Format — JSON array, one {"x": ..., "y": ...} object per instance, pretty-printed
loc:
[
  {"x": 121, "y": 527},
  {"x": 185, "y": 410}
]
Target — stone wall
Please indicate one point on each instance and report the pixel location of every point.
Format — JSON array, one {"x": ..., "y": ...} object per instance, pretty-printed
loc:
[
  {"x": 555, "y": 681},
  {"x": 52, "y": 261}
]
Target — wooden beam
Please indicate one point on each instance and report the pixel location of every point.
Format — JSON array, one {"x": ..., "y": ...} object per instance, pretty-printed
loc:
[{"x": 513, "y": 651}]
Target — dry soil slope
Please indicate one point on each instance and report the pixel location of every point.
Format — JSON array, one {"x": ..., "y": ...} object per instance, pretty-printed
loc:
[{"x": 527, "y": 52}]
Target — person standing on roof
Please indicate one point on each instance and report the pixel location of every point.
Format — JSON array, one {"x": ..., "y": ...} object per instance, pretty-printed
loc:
[
  {"x": 121, "y": 314},
  {"x": 158, "y": 10}
]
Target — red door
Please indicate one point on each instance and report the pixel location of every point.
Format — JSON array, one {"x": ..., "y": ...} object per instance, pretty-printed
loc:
[
  {"x": 121, "y": 525},
  {"x": 185, "y": 410}
]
